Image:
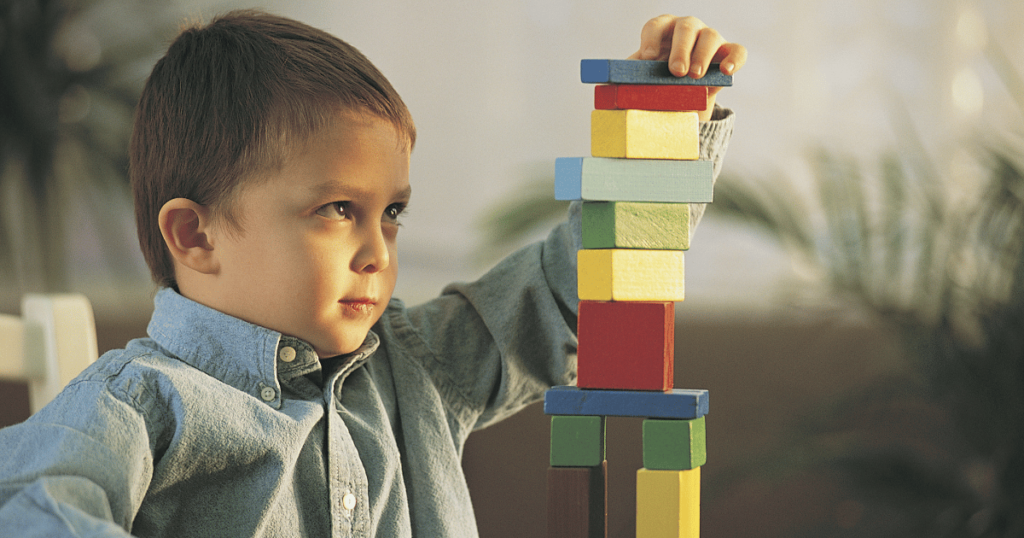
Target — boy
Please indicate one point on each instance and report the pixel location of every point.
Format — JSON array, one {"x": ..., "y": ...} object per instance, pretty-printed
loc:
[{"x": 270, "y": 165}]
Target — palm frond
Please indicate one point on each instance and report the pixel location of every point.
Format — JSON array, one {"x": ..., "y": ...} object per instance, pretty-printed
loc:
[
  {"x": 506, "y": 225},
  {"x": 53, "y": 106}
]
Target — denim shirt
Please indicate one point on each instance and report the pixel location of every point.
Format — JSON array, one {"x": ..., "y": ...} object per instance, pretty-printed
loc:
[{"x": 213, "y": 426}]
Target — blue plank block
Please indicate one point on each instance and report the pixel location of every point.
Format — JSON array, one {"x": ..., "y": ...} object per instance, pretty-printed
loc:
[
  {"x": 603, "y": 179},
  {"x": 678, "y": 404},
  {"x": 645, "y": 72}
]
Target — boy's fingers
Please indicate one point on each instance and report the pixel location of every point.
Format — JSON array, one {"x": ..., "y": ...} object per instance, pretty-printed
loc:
[
  {"x": 707, "y": 46},
  {"x": 655, "y": 39},
  {"x": 734, "y": 56},
  {"x": 689, "y": 45},
  {"x": 684, "y": 37}
]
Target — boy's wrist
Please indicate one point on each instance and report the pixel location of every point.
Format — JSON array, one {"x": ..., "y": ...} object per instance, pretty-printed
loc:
[{"x": 719, "y": 113}]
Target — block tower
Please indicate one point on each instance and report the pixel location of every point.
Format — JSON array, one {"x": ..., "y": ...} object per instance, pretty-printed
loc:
[{"x": 636, "y": 189}]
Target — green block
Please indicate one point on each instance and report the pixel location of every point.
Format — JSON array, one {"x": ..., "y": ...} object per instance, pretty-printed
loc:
[
  {"x": 640, "y": 225},
  {"x": 577, "y": 441},
  {"x": 675, "y": 445}
]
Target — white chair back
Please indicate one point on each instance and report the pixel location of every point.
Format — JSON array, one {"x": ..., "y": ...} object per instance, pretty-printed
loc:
[{"x": 51, "y": 343}]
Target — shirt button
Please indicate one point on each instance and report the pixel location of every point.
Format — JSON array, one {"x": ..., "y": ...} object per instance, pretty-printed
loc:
[
  {"x": 348, "y": 501},
  {"x": 268, "y": 394},
  {"x": 287, "y": 354}
]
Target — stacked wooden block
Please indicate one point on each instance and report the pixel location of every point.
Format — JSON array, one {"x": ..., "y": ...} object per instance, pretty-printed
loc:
[{"x": 636, "y": 189}]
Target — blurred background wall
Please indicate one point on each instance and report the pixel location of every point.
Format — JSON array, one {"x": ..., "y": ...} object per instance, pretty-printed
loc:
[{"x": 494, "y": 89}]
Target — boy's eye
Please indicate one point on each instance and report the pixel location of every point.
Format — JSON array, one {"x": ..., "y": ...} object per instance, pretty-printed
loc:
[
  {"x": 333, "y": 210},
  {"x": 393, "y": 211}
]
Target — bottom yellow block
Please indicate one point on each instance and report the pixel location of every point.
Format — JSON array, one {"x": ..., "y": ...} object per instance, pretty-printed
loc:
[{"x": 668, "y": 504}]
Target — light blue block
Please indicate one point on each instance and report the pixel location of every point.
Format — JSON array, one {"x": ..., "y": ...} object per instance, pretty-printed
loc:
[
  {"x": 570, "y": 170},
  {"x": 602, "y": 179}
]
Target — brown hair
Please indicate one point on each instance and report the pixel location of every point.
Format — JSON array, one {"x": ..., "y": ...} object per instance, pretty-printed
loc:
[{"x": 228, "y": 100}]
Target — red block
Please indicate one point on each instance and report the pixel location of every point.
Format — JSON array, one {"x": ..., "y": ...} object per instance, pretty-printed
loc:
[
  {"x": 578, "y": 502},
  {"x": 650, "y": 97},
  {"x": 626, "y": 345}
]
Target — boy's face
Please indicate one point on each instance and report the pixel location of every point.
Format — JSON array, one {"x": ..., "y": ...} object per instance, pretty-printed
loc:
[{"x": 316, "y": 256}]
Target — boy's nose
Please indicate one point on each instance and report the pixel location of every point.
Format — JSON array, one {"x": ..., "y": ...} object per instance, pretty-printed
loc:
[{"x": 373, "y": 255}]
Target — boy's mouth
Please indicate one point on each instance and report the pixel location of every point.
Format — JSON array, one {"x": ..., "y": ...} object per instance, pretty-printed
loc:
[{"x": 360, "y": 304}]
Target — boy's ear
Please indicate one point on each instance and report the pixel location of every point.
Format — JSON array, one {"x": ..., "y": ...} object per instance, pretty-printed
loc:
[{"x": 184, "y": 225}]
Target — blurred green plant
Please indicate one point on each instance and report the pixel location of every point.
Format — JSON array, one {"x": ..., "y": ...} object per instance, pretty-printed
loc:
[
  {"x": 512, "y": 222},
  {"x": 939, "y": 451},
  {"x": 70, "y": 73}
]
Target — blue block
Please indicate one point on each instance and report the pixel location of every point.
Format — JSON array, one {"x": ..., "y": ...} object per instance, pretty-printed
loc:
[
  {"x": 645, "y": 72},
  {"x": 678, "y": 404},
  {"x": 570, "y": 170},
  {"x": 601, "y": 179}
]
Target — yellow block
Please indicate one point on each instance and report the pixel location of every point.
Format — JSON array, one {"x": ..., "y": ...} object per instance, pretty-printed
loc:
[
  {"x": 668, "y": 504},
  {"x": 630, "y": 275},
  {"x": 644, "y": 134}
]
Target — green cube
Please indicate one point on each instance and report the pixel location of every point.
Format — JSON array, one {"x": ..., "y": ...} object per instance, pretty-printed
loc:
[
  {"x": 577, "y": 441},
  {"x": 675, "y": 445},
  {"x": 640, "y": 225}
]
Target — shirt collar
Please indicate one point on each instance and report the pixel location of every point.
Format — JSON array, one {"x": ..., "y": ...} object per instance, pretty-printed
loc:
[{"x": 246, "y": 356}]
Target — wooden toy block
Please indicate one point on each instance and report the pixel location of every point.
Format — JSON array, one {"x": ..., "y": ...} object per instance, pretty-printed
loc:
[
  {"x": 668, "y": 504},
  {"x": 630, "y": 275},
  {"x": 645, "y": 72},
  {"x": 633, "y": 180},
  {"x": 577, "y": 441},
  {"x": 650, "y": 97},
  {"x": 625, "y": 345},
  {"x": 644, "y": 134},
  {"x": 675, "y": 445},
  {"x": 578, "y": 501},
  {"x": 638, "y": 225},
  {"x": 677, "y": 403}
]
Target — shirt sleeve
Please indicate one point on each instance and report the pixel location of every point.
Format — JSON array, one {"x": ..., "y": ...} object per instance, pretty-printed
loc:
[
  {"x": 78, "y": 467},
  {"x": 495, "y": 345},
  {"x": 714, "y": 141}
]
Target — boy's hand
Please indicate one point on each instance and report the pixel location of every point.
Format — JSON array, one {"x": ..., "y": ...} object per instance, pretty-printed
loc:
[{"x": 690, "y": 46}]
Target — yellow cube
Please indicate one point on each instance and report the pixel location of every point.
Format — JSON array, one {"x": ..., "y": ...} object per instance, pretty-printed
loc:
[
  {"x": 644, "y": 134},
  {"x": 668, "y": 504},
  {"x": 630, "y": 275}
]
